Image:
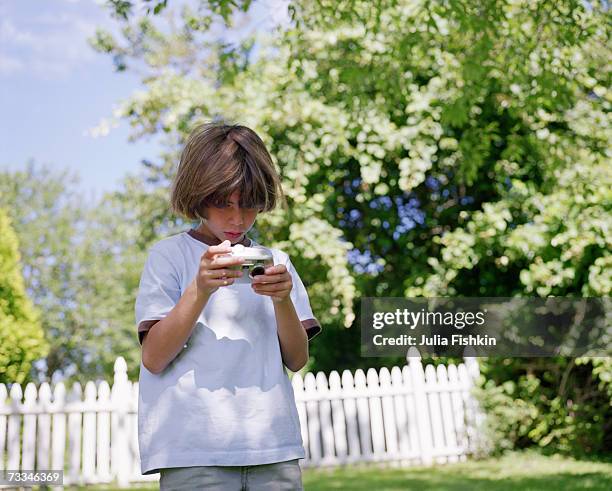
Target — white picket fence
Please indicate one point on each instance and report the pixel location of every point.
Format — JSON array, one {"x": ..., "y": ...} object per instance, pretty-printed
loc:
[{"x": 401, "y": 416}]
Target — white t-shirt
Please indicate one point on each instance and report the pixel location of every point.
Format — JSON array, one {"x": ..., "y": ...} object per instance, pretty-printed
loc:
[{"x": 226, "y": 398}]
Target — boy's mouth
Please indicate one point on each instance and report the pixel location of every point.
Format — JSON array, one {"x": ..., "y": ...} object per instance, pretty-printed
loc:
[{"x": 233, "y": 235}]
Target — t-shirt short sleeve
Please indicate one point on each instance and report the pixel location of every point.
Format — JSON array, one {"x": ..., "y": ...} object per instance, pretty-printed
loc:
[
  {"x": 158, "y": 292},
  {"x": 301, "y": 302}
]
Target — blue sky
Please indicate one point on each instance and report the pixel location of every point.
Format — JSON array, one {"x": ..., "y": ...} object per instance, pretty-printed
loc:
[{"x": 54, "y": 89}]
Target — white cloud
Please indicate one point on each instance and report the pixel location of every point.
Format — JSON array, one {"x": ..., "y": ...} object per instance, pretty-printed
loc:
[
  {"x": 9, "y": 34},
  {"x": 97, "y": 2},
  {"x": 10, "y": 66},
  {"x": 48, "y": 45}
]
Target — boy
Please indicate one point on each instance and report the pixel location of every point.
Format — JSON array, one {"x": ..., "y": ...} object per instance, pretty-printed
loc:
[{"x": 216, "y": 407}]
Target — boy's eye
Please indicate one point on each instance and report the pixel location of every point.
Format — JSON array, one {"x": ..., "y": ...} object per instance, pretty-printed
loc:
[
  {"x": 229, "y": 205},
  {"x": 220, "y": 205}
]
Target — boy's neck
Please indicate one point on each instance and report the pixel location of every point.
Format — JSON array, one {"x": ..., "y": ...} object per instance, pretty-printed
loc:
[{"x": 203, "y": 235}]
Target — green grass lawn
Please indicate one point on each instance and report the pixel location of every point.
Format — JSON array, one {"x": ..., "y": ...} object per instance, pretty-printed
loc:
[
  {"x": 514, "y": 472},
  {"x": 524, "y": 471}
]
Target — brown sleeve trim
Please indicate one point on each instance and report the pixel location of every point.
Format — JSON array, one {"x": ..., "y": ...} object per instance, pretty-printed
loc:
[
  {"x": 144, "y": 327},
  {"x": 312, "y": 327}
]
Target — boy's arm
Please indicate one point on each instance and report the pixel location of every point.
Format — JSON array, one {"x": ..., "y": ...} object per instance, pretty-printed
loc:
[
  {"x": 291, "y": 335},
  {"x": 168, "y": 336},
  {"x": 278, "y": 282}
]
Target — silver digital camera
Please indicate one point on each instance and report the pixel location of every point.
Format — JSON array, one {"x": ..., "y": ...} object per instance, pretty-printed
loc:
[{"x": 256, "y": 259}]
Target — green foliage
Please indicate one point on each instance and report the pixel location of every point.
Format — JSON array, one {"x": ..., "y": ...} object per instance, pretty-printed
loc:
[
  {"x": 22, "y": 339},
  {"x": 556, "y": 403},
  {"x": 123, "y": 9},
  {"x": 81, "y": 266},
  {"x": 602, "y": 372}
]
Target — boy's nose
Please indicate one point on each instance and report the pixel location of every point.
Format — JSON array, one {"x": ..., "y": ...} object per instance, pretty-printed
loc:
[{"x": 237, "y": 218}]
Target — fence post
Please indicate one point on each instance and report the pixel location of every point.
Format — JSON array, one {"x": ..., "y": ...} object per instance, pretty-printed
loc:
[
  {"x": 3, "y": 418},
  {"x": 14, "y": 429},
  {"x": 120, "y": 457},
  {"x": 422, "y": 408},
  {"x": 476, "y": 417},
  {"x": 58, "y": 444},
  {"x": 29, "y": 427}
]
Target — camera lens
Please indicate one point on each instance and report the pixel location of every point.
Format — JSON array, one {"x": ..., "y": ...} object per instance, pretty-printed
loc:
[{"x": 257, "y": 270}]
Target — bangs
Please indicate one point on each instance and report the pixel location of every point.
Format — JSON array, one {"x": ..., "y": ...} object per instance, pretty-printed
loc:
[{"x": 242, "y": 174}]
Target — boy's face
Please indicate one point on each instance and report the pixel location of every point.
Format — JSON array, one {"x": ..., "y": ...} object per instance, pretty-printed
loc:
[{"x": 230, "y": 222}]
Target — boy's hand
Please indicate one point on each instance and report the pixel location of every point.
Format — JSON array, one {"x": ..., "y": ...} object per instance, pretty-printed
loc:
[
  {"x": 213, "y": 271},
  {"x": 275, "y": 283}
]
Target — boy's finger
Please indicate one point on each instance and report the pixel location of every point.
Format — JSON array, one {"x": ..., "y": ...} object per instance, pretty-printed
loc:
[
  {"x": 276, "y": 269},
  {"x": 269, "y": 278},
  {"x": 224, "y": 261},
  {"x": 273, "y": 287},
  {"x": 223, "y": 247}
]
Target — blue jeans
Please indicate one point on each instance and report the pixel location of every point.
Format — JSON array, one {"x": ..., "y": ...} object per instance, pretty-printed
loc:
[{"x": 279, "y": 476}]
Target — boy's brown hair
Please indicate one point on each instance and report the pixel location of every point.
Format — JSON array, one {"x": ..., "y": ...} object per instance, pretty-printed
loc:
[{"x": 219, "y": 159}]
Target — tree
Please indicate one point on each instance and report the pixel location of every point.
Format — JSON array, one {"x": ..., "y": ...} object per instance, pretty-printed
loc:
[
  {"x": 80, "y": 269},
  {"x": 20, "y": 329}
]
